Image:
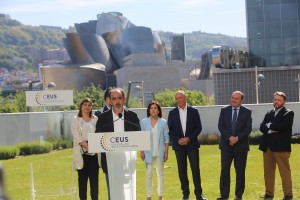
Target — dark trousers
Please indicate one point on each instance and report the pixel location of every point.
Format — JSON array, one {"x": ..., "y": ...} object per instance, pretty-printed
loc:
[
  {"x": 240, "y": 160},
  {"x": 107, "y": 185},
  {"x": 89, "y": 171},
  {"x": 193, "y": 156}
]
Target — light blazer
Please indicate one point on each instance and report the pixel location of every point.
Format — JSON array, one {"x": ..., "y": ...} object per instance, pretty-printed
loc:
[
  {"x": 105, "y": 124},
  {"x": 193, "y": 128},
  {"x": 77, "y": 138},
  {"x": 282, "y": 123},
  {"x": 162, "y": 138},
  {"x": 243, "y": 128}
]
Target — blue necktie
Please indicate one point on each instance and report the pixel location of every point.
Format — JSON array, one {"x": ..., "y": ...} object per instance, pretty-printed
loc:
[{"x": 233, "y": 122}]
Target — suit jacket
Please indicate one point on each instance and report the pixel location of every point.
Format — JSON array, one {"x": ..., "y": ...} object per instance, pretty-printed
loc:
[
  {"x": 193, "y": 128},
  {"x": 282, "y": 123},
  {"x": 243, "y": 128},
  {"x": 105, "y": 124},
  {"x": 162, "y": 138},
  {"x": 102, "y": 110}
]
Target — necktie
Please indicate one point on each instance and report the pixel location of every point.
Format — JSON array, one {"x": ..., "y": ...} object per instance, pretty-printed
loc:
[{"x": 233, "y": 122}]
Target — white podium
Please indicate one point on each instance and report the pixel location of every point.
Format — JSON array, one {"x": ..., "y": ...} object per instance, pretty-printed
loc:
[{"x": 120, "y": 148}]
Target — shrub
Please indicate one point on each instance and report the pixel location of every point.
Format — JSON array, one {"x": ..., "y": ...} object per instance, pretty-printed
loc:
[
  {"x": 35, "y": 147},
  {"x": 7, "y": 152},
  {"x": 255, "y": 137},
  {"x": 296, "y": 138},
  {"x": 59, "y": 143},
  {"x": 212, "y": 138}
]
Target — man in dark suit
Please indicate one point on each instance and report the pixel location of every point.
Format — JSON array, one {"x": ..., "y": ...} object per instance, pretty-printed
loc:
[
  {"x": 117, "y": 119},
  {"x": 107, "y": 105},
  {"x": 184, "y": 128},
  {"x": 276, "y": 146},
  {"x": 235, "y": 125}
]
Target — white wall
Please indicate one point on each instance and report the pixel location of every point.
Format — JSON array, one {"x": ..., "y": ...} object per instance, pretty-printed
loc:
[{"x": 21, "y": 127}]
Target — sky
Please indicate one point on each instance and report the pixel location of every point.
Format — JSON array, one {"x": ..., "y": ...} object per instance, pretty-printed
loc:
[{"x": 226, "y": 17}]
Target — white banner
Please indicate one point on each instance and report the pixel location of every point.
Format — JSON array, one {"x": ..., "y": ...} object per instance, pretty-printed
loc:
[
  {"x": 119, "y": 141},
  {"x": 49, "y": 98}
]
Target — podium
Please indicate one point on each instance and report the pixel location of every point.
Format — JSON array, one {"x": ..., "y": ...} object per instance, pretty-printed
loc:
[{"x": 120, "y": 149}]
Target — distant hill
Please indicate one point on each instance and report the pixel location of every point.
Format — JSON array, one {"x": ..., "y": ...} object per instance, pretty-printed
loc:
[
  {"x": 197, "y": 42},
  {"x": 17, "y": 39}
]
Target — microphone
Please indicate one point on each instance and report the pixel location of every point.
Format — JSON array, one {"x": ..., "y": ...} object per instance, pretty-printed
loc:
[
  {"x": 138, "y": 126},
  {"x": 100, "y": 129},
  {"x": 120, "y": 115}
]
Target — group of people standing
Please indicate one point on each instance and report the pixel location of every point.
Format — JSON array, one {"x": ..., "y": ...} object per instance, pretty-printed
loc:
[{"x": 182, "y": 129}]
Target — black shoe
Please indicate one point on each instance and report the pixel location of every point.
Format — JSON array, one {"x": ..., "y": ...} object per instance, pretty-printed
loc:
[
  {"x": 267, "y": 197},
  {"x": 238, "y": 198},
  {"x": 287, "y": 198},
  {"x": 185, "y": 198},
  {"x": 201, "y": 197},
  {"x": 223, "y": 198}
]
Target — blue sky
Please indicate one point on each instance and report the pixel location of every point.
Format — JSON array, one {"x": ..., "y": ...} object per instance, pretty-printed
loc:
[{"x": 227, "y": 17}]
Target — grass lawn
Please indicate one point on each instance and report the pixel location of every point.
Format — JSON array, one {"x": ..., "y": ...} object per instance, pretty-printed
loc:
[{"x": 53, "y": 174}]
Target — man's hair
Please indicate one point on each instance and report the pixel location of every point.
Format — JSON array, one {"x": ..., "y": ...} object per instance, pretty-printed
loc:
[
  {"x": 180, "y": 92},
  {"x": 239, "y": 92},
  {"x": 106, "y": 92},
  {"x": 116, "y": 89},
  {"x": 278, "y": 93}
]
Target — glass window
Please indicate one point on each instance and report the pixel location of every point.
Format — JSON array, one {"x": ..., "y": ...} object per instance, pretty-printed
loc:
[
  {"x": 274, "y": 60},
  {"x": 290, "y": 29},
  {"x": 288, "y": 1},
  {"x": 257, "y": 47},
  {"x": 289, "y": 11},
  {"x": 274, "y": 46},
  {"x": 256, "y": 30},
  {"x": 259, "y": 61},
  {"x": 291, "y": 45},
  {"x": 273, "y": 29},
  {"x": 271, "y": 2},
  {"x": 254, "y": 2},
  {"x": 255, "y": 14},
  {"x": 272, "y": 13},
  {"x": 291, "y": 59}
]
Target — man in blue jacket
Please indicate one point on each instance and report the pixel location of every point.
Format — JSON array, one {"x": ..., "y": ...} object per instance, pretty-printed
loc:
[{"x": 184, "y": 127}]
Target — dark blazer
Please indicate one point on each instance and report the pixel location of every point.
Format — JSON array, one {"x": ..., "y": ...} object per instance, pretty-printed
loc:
[
  {"x": 243, "y": 128},
  {"x": 105, "y": 124},
  {"x": 102, "y": 110},
  {"x": 282, "y": 123},
  {"x": 193, "y": 128}
]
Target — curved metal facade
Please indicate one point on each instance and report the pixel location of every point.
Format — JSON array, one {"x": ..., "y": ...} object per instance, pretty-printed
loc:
[{"x": 109, "y": 39}]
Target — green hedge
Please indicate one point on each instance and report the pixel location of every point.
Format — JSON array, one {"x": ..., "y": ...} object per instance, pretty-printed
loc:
[
  {"x": 7, "y": 152},
  {"x": 59, "y": 143},
  {"x": 35, "y": 147}
]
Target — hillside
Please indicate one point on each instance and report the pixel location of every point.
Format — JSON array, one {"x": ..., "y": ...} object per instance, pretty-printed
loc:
[{"x": 21, "y": 45}]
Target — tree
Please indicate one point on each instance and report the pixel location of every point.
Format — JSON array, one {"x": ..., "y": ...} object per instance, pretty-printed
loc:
[{"x": 195, "y": 98}]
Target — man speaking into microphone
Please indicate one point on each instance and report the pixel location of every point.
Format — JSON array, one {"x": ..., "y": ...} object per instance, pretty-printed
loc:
[{"x": 117, "y": 119}]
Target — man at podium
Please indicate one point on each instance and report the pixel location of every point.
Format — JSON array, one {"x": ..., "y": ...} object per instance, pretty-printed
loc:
[{"x": 120, "y": 166}]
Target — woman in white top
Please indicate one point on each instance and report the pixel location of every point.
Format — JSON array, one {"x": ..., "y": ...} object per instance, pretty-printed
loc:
[
  {"x": 86, "y": 164},
  {"x": 159, "y": 140}
]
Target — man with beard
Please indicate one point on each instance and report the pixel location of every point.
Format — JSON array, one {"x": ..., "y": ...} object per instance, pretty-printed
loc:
[
  {"x": 276, "y": 146},
  {"x": 117, "y": 119}
]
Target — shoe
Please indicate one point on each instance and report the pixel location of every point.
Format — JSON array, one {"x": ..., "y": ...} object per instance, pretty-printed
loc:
[
  {"x": 223, "y": 198},
  {"x": 238, "y": 198},
  {"x": 287, "y": 198},
  {"x": 185, "y": 198},
  {"x": 201, "y": 197},
  {"x": 267, "y": 197}
]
